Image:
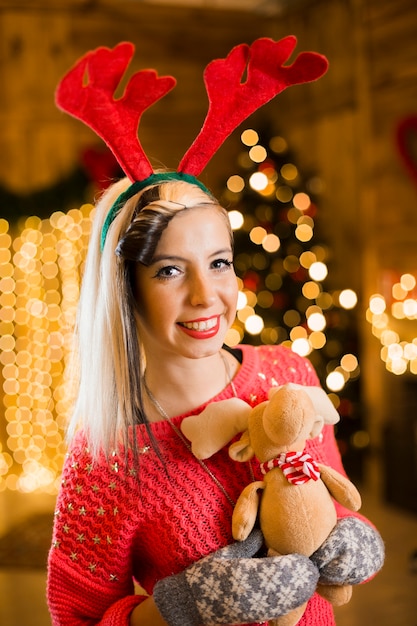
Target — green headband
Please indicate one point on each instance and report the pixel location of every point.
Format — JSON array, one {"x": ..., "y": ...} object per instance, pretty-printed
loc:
[{"x": 153, "y": 179}]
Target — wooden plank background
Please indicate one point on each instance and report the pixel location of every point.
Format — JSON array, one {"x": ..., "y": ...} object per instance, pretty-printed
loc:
[{"x": 341, "y": 128}]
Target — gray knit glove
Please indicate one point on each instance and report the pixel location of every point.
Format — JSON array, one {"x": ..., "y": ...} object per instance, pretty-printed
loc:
[
  {"x": 231, "y": 587},
  {"x": 352, "y": 553}
]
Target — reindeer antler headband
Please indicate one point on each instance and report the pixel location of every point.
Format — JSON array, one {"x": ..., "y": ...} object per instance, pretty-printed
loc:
[{"x": 87, "y": 93}]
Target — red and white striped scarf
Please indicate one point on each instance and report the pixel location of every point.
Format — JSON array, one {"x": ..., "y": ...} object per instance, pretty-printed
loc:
[{"x": 298, "y": 467}]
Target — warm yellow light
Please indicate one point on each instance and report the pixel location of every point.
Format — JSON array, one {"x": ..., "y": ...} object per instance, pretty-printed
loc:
[
  {"x": 301, "y": 201},
  {"x": 258, "y": 154},
  {"x": 254, "y": 324},
  {"x": 408, "y": 282},
  {"x": 40, "y": 269},
  {"x": 398, "y": 292},
  {"x": 241, "y": 300},
  {"x": 271, "y": 243},
  {"x": 317, "y": 340},
  {"x": 289, "y": 171},
  {"x": 298, "y": 332},
  {"x": 257, "y": 234},
  {"x": 410, "y": 308},
  {"x": 233, "y": 337},
  {"x": 249, "y": 137},
  {"x": 304, "y": 232},
  {"x": 310, "y": 290},
  {"x": 318, "y": 271},
  {"x": 316, "y": 321},
  {"x": 258, "y": 181},
  {"x": 307, "y": 258},
  {"x": 335, "y": 381},
  {"x": 301, "y": 346},
  {"x": 235, "y": 184},
  {"x": 349, "y": 362},
  {"x": 348, "y": 299},
  {"x": 236, "y": 219},
  {"x": 377, "y": 304},
  {"x": 284, "y": 194}
]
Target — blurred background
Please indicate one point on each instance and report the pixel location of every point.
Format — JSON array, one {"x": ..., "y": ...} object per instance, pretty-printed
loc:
[{"x": 321, "y": 185}]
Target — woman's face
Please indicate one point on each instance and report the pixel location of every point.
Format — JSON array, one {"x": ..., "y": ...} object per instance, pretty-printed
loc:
[{"x": 187, "y": 296}]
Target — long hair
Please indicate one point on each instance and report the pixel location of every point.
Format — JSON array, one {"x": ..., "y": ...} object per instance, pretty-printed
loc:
[{"x": 108, "y": 360}]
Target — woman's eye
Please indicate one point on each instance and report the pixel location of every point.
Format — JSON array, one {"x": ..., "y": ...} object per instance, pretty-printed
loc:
[
  {"x": 220, "y": 264},
  {"x": 167, "y": 271}
]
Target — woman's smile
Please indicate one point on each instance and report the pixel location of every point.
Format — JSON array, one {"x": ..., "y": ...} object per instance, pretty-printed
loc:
[{"x": 202, "y": 328}]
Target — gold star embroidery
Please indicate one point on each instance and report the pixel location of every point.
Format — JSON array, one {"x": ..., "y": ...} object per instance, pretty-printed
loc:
[
  {"x": 115, "y": 467},
  {"x": 253, "y": 397},
  {"x": 89, "y": 467},
  {"x": 112, "y": 485},
  {"x": 144, "y": 450},
  {"x": 92, "y": 567},
  {"x": 96, "y": 540},
  {"x": 108, "y": 539},
  {"x": 100, "y": 511},
  {"x": 132, "y": 471},
  {"x": 73, "y": 556},
  {"x": 78, "y": 489},
  {"x": 56, "y": 544},
  {"x": 115, "y": 510},
  {"x": 113, "y": 577},
  {"x": 70, "y": 506},
  {"x": 57, "y": 513},
  {"x": 81, "y": 537},
  {"x": 95, "y": 488},
  {"x": 82, "y": 510},
  {"x": 65, "y": 528},
  {"x": 74, "y": 465}
]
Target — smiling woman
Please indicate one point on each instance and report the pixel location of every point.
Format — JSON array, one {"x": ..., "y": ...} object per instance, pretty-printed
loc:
[{"x": 158, "y": 297}]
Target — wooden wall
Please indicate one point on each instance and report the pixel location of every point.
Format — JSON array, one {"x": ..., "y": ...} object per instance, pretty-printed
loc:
[{"x": 342, "y": 128}]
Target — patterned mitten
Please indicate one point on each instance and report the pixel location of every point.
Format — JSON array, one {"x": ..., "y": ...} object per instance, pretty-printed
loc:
[
  {"x": 352, "y": 553},
  {"x": 231, "y": 587}
]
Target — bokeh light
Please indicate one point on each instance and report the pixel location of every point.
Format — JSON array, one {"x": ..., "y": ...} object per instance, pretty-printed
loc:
[{"x": 41, "y": 263}]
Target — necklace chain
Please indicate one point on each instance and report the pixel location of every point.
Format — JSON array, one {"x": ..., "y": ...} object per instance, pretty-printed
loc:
[{"x": 179, "y": 434}]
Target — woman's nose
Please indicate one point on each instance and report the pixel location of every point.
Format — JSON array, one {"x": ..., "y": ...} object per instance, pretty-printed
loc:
[{"x": 201, "y": 291}]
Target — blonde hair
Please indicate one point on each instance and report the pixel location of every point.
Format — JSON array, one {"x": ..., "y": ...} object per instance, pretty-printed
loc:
[{"x": 108, "y": 359}]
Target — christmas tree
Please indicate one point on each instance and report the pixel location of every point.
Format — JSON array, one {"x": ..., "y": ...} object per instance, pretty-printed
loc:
[{"x": 282, "y": 270}]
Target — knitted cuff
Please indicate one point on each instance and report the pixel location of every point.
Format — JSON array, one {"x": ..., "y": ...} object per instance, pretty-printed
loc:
[{"x": 175, "y": 603}]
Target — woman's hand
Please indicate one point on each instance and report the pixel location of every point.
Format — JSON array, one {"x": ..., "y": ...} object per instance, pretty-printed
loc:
[
  {"x": 352, "y": 553},
  {"x": 231, "y": 587}
]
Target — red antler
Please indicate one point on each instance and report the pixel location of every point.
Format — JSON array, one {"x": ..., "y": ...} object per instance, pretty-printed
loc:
[
  {"x": 115, "y": 121},
  {"x": 231, "y": 102}
]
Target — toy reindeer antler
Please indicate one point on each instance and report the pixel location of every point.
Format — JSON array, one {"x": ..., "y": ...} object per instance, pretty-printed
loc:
[
  {"x": 87, "y": 93},
  {"x": 231, "y": 101},
  {"x": 115, "y": 121}
]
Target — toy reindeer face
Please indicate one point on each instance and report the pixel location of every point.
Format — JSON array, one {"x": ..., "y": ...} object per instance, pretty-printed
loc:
[
  {"x": 220, "y": 422},
  {"x": 281, "y": 424}
]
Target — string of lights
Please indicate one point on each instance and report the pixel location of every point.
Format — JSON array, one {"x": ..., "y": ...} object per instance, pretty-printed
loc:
[{"x": 41, "y": 263}]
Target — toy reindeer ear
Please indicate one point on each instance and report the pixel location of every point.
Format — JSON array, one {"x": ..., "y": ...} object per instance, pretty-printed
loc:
[
  {"x": 317, "y": 427},
  {"x": 242, "y": 450},
  {"x": 214, "y": 427}
]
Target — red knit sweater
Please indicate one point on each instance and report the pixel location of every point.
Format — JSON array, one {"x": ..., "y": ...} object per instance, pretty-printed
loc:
[{"x": 114, "y": 524}]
